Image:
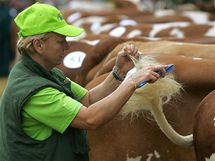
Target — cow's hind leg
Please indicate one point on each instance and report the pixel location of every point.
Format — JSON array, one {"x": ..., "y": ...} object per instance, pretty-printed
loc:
[{"x": 204, "y": 129}]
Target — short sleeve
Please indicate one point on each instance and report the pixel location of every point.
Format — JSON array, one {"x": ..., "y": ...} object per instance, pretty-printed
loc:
[
  {"x": 78, "y": 90},
  {"x": 52, "y": 108}
]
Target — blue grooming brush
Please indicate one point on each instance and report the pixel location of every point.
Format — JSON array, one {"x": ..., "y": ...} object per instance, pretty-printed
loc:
[{"x": 168, "y": 69}]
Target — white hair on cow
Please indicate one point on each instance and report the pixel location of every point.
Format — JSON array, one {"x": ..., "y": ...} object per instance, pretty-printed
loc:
[
  {"x": 153, "y": 154},
  {"x": 73, "y": 17},
  {"x": 91, "y": 19},
  {"x": 211, "y": 32},
  {"x": 198, "y": 17},
  {"x": 156, "y": 28},
  {"x": 137, "y": 158},
  {"x": 212, "y": 158},
  {"x": 134, "y": 33},
  {"x": 197, "y": 58},
  {"x": 105, "y": 28},
  {"x": 91, "y": 42},
  {"x": 128, "y": 22},
  {"x": 118, "y": 31},
  {"x": 164, "y": 12},
  {"x": 176, "y": 32},
  {"x": 214, "y": 121},
  {"x": 150, "y": 95}
]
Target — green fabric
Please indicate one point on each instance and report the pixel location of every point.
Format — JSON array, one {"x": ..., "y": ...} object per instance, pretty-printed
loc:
[
  {"x": 25, "y": 80},
  {"x": 41, "y": 18},
  {"x": 50, "y": 109}
]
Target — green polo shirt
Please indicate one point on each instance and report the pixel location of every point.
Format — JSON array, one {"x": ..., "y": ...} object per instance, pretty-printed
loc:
[{"x": 50, "y": 109}]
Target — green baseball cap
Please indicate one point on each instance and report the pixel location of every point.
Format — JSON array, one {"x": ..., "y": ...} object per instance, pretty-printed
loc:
[{"x": 41, "y": 18}]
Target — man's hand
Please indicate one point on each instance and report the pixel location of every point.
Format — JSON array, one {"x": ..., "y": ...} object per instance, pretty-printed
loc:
[
  {"x": 149, "y": 74},
  {"x": 124, "y": 62}
]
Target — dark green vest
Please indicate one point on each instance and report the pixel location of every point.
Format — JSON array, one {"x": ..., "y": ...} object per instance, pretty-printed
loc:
[{"x": 25, "y": 79}]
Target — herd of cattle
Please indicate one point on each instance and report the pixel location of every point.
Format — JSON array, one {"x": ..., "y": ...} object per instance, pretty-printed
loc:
[{"x": 170, "y": 120}]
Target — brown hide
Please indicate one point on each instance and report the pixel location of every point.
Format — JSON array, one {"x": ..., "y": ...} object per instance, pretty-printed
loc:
[
  {"x": 116, "y": 15},
  {"x": 177, "y": 48},
  {"x": 124, "y": 4},
  {"x": 99, "y": 52},
  {"x": 189, "y": 31},
  {"x": 194, "y": 73},
  {"x": 91, "y": 74},
  {"x": 157, "y": 48},
  {"x": 74, "y": 73},
  {"x": 96, "y": 81},
  {"x": 92, "y": 64},
  {"x": 206, "y": 6},
  {"x": 120, "y": 139},
  {"x": 151, "y": 19},
  {"x": 161, "y": 48},
  {"x": 107, "y": 13},
  {"x": 141, "y": 138},
  {"x": 192, "y": 30},
  {"x": 203, "y": 131},
  {"x": 194, "y": 39},
  {"x": 94, "y": 55},
  {"x": 171, "y": 48},
  {"x": 106, "y": 64}
]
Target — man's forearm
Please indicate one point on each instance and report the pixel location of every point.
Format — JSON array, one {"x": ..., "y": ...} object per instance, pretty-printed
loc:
[{"x": 103, "y": 89}]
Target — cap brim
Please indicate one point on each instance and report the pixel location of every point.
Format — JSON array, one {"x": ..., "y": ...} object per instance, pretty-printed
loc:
[{"x": 69, "y": 30}]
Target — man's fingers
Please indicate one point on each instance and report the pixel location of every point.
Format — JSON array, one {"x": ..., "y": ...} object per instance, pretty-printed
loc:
[
  {"x": 160, "y": 69},
  {"x": 132, "y": 51},
  {"x": 130, "y": 48}
]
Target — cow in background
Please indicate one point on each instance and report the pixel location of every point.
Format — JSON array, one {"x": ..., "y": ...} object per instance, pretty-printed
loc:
[
  {"x": 89, "y": 52},
  {"x": 174, "y": 29},
  {"x": 86, "y": 53},
  {"x": 157, "y": 48},
  {"x": 132, "y": 138}
]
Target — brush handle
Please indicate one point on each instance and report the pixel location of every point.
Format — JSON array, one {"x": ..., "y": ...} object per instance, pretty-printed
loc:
[{"x": 168, "y": 69}]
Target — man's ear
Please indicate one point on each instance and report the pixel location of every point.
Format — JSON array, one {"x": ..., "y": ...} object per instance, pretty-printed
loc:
[{"x": 38, "y": 45}]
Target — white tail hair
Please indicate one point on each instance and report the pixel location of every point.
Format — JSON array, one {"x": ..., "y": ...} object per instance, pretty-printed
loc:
[{"x": 151, "y": 97}]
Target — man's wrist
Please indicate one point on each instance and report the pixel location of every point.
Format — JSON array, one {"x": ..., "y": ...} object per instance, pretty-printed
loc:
[{"x": 117, "y": 75}]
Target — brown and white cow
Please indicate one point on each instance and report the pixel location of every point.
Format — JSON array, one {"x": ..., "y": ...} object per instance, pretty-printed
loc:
[
  {"x": 91, "y": 50},
  {"x": 173, "y": 29},
  {"x": 203, "y": 131},
  {"x": 140, "y": 139},
  {"x": 158, "y": 48},
  {"x": 85, "y": 53}
]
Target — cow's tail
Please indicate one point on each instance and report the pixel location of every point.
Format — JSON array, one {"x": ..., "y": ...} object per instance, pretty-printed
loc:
[{"x": 186, "y": 141}]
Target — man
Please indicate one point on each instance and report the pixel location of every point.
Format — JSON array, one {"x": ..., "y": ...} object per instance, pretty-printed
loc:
[{"x": 43, "y": 113}]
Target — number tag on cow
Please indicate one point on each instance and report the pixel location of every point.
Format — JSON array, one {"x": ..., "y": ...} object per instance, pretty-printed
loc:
[{"x": 74, "y": 59}]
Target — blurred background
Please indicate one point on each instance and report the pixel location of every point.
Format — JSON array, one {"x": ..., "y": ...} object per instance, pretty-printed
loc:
[{"x": 10, "y": 8}]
